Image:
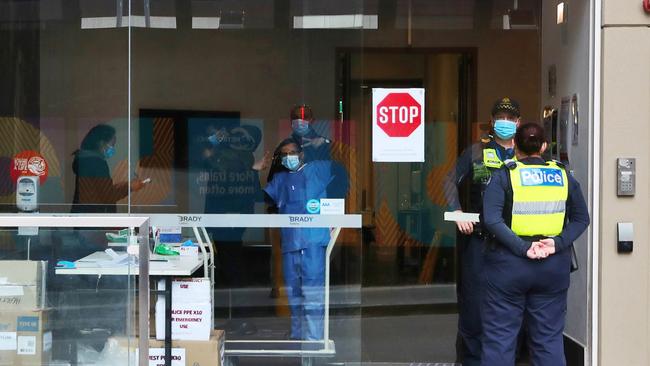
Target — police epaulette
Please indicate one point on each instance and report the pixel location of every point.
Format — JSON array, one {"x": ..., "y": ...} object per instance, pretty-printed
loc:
[
  {"x": 510, "y": 163},
  {"x": 558, "y": 163}
]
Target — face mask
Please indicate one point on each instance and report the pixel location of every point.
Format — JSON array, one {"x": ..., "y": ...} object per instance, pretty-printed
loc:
[
  {"x": 212, "y": 139},
  {"x": 109, "y": 151},
  {"x": 505, "y": 129},
  {"x": 300, "y": 126},
  {"x": 291, "y": 162}
]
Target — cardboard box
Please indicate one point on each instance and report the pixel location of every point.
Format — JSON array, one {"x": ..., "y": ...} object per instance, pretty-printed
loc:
[
  {"x": 22, "y": 285},
  {"x": 25, "y": 338},
  {"x": 190, "y": 321},
  {"x": 186, "y": 353},
  {"x": 189, "y": 290}
]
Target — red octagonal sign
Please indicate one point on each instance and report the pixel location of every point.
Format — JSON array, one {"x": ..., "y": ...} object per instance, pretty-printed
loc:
[{"x": 399, "y": 114}]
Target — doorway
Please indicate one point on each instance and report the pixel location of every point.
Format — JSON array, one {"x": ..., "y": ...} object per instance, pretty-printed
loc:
[{"x": 409, "y": 251}]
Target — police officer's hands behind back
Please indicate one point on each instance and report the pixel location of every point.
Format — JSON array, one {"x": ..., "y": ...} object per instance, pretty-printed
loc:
[
  {"x": 541, "y": 249},
  {"x": 465, "y": 227}
]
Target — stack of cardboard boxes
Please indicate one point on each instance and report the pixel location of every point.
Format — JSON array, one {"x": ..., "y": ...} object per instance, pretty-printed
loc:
[
  {"x": 25, "y": 334},
  {"x": 195, "y": 343}
]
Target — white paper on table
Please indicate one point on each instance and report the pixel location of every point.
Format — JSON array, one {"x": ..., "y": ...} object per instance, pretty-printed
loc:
[{"x": 117, "y": 260}]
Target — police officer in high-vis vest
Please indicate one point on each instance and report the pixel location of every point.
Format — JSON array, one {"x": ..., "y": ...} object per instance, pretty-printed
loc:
[
  {"x": 535, "y": 210},
  {"x": 474, "y": 167}
]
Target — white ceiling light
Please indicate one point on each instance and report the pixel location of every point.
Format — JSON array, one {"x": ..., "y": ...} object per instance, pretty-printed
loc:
[
  {"x": 100, "y": 15},
  {"x": 344, "y": 21},
  {"x": 334, "y": 14},
  {"x": 561, "y": 13},
  {"x": 211, "y": 14}
]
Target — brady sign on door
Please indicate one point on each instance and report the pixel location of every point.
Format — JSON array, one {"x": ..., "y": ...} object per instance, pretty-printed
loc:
[{"x": 398, "y": 125}]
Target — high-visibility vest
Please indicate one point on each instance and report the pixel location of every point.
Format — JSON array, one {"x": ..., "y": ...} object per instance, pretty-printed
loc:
[
  {"x": 539, "y": 195},
  {"x": 482, "y": 169},
  {"x": 491, "y": 158}
]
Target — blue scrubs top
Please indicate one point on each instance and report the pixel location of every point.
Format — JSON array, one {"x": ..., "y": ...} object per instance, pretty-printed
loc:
[{"x": 291, "y": 191}]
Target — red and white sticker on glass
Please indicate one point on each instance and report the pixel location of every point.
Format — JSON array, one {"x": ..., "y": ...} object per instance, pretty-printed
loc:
[
  {"x": 398, "y": 125},
  {"x": 30, "y": 163}
]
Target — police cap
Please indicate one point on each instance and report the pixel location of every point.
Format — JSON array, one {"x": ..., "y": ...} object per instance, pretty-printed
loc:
[{"x": 507, "y": 105}]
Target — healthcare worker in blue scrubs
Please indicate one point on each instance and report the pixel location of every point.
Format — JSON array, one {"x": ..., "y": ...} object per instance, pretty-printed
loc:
[
  {"x": 297, "y": 191},
  {"x": 474, "y": 167},
  {"x": 535, "y": 210}
]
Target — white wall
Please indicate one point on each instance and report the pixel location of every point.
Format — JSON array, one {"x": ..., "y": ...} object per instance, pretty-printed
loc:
[{"x": 624, "y": 317}]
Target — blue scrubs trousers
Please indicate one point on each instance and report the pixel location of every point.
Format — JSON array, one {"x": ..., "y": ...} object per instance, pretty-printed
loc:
[
  {"x": 304, "y": 276},
  {"x": 518, "y": 288},
  {"x": 469, "y": 299}
]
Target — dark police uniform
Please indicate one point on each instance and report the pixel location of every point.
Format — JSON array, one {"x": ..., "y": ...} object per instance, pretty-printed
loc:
[
  {"x": 475, "y": 166},
  {"x": 540, "y": 200}
]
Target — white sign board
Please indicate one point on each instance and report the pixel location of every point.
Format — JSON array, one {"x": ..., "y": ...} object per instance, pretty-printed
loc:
[
  {"x": 190, "y": 321},
  {"x": 398, "y": 125},
  {"x": 332, "y": 206}
]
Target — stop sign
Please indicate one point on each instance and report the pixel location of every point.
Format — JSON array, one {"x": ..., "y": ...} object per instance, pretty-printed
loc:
[{"x": 398, "y": 114}]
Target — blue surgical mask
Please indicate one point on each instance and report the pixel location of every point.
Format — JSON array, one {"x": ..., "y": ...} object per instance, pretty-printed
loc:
[
  {"x": 505, "y": 129},
  {"x": 300, "y": 126},
  {"x": 212, "y": 139},
  {"x": 109, "y": 151},
  {"x": 291, "y": 162}
]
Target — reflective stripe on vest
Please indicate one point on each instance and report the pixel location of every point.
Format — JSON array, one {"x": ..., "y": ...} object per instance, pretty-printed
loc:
[
  {"x": 539, "y": 194},
  {"x": 491, "y": 159}
]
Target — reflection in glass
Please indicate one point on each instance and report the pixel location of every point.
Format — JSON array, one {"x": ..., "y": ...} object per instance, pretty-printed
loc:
[{"x": 298, "y": 189}]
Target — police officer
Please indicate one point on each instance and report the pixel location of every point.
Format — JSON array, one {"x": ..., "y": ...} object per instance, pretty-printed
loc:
[
  {"x": 535, "y": 211},
  {"x": 475, "y": 166}
]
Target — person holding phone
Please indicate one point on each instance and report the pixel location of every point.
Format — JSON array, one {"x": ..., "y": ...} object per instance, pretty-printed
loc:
[{"x": 95, "y": 191}]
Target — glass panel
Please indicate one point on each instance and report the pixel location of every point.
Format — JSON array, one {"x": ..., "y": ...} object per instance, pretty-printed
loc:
[
  {"x": 464, "y": 56},
  {"x": 64, "y": 72},
  {"x": 63, "y": 300},
  {"x": 211, "y": 88},
  {"x": 212, "y": 99}
]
